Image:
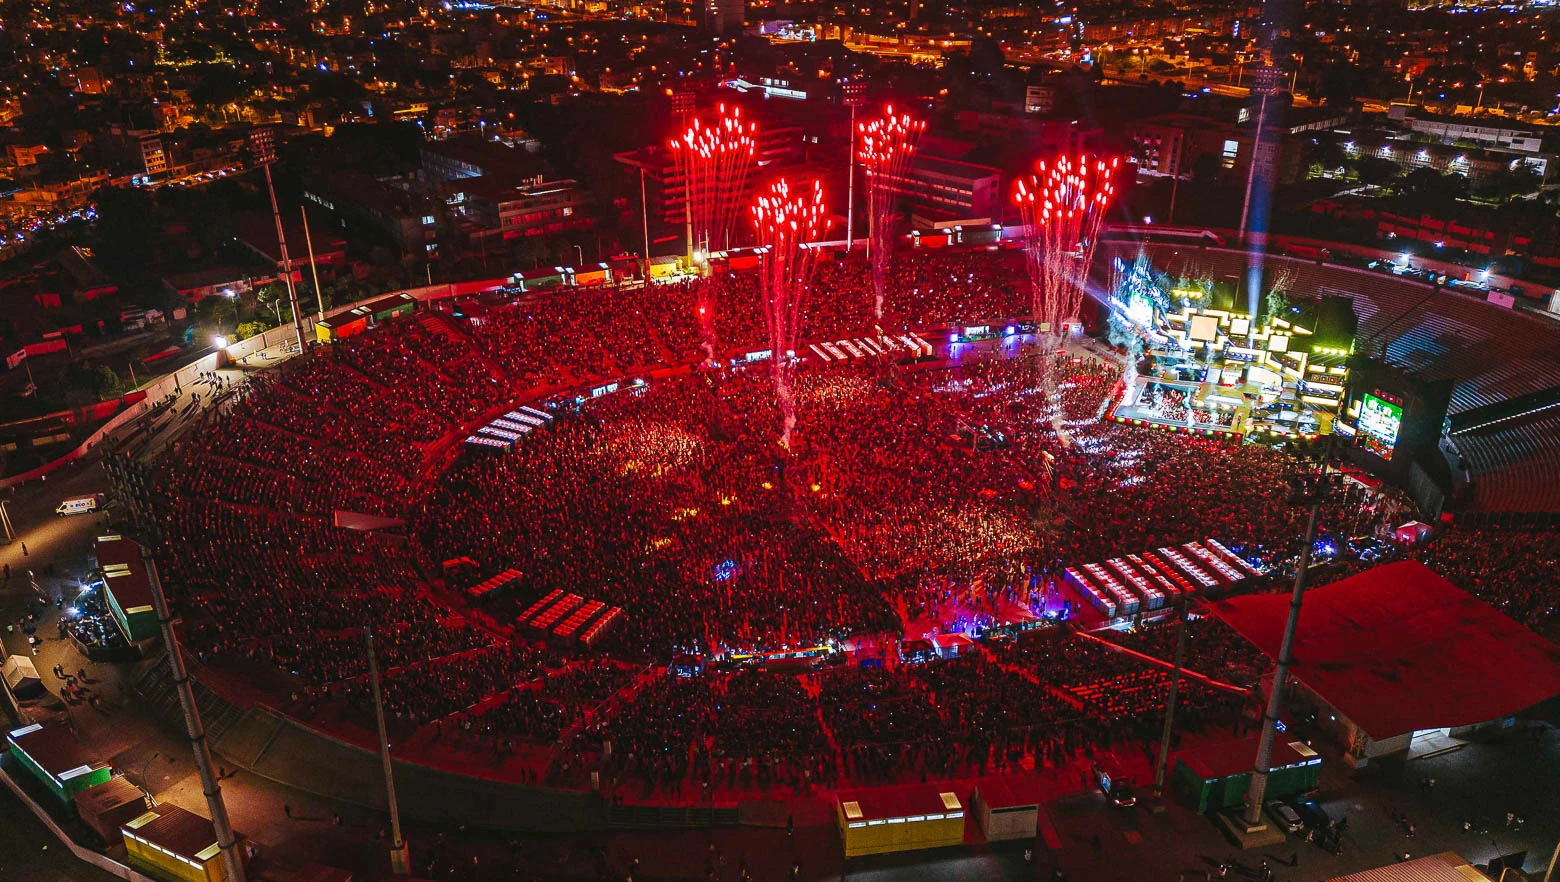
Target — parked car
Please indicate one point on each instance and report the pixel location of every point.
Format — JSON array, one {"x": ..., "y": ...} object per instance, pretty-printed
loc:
[
  {"x": 79, "y": 505},
  {"x": 1286, "y": 818},
  {"x": 1312, "y": 814}
]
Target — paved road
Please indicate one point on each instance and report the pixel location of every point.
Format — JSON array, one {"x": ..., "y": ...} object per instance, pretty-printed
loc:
[{"x": 30, "y": 853}]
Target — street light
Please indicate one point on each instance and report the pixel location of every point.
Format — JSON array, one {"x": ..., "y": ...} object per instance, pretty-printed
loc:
[{"x": 142, "y": 773}]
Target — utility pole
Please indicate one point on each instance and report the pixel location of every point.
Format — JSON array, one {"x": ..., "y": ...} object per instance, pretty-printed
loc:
[
  {"x": 854, "y": 95},
  {"x": 644, "y": 209},
  {"x": 231, "y": 861},
  {"x": 262, "y": 142},
  {"x": 871, "y": 226},
  {"x": 314, "y": 269},
  {"x": 1175, "y": 688},
  {"x": 1311, "y": 490},
  {"x": 683, "y": 106},
  {"x": 400, "y": 862}
]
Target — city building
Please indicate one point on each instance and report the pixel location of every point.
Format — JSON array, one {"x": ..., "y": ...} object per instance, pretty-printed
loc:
[
  {"x": 1173, "y": 143},
  {"x": 537, "y": 208},
  {"x": 362, "y": 202},
  {"x": 257, "y": 232},
  {"x": 1466, "y": 130},
  {"x": 938, "y": 189},
  {"x": 469, "y": 156},
  {"x": 1036, "y": 134},
  {"x": 721, "y": 17},
  {"x": 781, "y": 147}
]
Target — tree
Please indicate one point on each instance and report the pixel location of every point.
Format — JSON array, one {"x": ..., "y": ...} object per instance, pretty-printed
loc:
[
  {"x": 1505, "y": 185},
  {"x": 216, "y": 313},
  {"x": 1426, "y": 187},
  {"x": 91, "y": 381},
  {"x": 1376, "y": 172},
  {"x": 1323, "y": 153},
  {"x": 274, "y": 299},
  {"x": 251, "y": 329}
]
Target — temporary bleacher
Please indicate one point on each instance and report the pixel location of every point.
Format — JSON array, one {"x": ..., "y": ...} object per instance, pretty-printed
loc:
[
  {"x": 570, "y": 616},
  {"x": 898, "y": 346},
  {"x": 552, "y": 615},
  {"x": 1163, "y": 574},
  {"x": 485, "y": 441},
  {"x": 1091, "y": 592},
  {"x": 1234, "y": 559},
  {"x": 1153, "y": 598},
  {"x": 489, "y": 587},
  {"x": 1182, "y": 564},
  {"x": 594, "y": 631},
  {"x": 532, "y": 610},
  {"x": 1149, "y": 581},
  {"x": 1173, "y": 586},
  {"x": 494, "y": 431},
  {"x": 542, "y": 415},
  {"x": 1222, "y": 570},
  {"x": 1127, "y": 603},
  {"x": 503, "y": 432},
  {"x": 577, "y": 619},
  {"x": 524, "y": 418}
]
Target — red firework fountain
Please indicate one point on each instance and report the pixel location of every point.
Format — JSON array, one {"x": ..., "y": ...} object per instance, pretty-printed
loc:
[
  {"x": 1063, "y": 205},
  {"x": 887, "y": 143},
  {"x": 714, "y": 161},
  {"x": 788, "y": 221}
]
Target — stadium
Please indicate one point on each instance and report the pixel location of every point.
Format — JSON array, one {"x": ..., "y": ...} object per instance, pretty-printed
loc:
[{"x": 601, "y": 591}]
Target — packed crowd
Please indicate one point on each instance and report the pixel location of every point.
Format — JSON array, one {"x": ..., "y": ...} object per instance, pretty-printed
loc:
[
  {"x": 1515, "y": 572},
  {"x": 1041, "y": 701},
  {"x": 945, "y": 493},
  {"x": 1212, "y": 648}
]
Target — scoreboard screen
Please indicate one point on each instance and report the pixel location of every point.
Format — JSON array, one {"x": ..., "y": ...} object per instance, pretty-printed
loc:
[{"x": 1380, "y": 421}]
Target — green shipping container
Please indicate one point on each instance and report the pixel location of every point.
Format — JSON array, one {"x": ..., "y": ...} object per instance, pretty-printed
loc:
[
  {"x": 62, "y": 764},
  {"x": 1216, "y": 776}
]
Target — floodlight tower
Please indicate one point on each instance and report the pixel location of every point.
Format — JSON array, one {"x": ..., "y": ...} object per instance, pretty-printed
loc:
[
  {"x": 262, "y": 143},
  {"x": 855, "y": 96}
]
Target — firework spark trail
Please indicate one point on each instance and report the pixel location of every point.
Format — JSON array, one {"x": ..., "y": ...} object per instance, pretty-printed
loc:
[
  {"x": 714, "y": 161},
  {"x": 787, "y": 221},
  {"x": 887, "y": 143},
  {"x": 1062, "y": 205}
]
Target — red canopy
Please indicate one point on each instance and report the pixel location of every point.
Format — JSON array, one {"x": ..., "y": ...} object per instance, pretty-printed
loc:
[{"x": 1398, "y": 649}]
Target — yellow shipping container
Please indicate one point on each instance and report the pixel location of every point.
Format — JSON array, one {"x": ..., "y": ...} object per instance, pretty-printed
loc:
[{"x": 886, "y": 819}]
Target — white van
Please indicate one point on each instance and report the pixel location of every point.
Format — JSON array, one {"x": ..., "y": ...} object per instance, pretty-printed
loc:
[{"x": 79, "y": 505}]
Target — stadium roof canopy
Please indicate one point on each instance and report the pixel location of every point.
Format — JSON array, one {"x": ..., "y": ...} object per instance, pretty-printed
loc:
[
  {"x": 1448, "y": 866},
  {"x": 1398, "y": 649}
]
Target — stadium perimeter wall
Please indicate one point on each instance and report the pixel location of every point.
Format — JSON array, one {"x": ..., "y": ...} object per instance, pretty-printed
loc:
[
  {"x": 274, "y": 746},
  {"x": 173, "y": 383}
]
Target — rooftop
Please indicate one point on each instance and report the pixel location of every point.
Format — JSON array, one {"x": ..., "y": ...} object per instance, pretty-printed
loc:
[
  {"x": 55, "y": 750},
  {"x": 909, "y": 800},
  {"x": 1398, "y": 649},
  {"x": 175, "y": 830}
]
